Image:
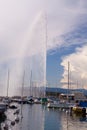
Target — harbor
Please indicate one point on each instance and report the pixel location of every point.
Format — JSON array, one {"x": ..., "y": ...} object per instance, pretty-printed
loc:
[
  {"x": 43, "y": 69},
  {"x": 40, "y": 117},
  {"x": 43, "y": 113}
]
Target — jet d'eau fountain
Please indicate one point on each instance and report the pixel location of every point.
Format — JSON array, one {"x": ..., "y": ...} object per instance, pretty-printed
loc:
[{"x": 30, "y": 55}]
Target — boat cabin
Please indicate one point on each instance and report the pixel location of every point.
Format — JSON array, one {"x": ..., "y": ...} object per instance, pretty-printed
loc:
[{"x": 64, "y": 97}]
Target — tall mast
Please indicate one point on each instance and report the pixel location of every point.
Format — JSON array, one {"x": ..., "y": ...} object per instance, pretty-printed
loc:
[
  {"x": 23, "y": 84},
  {"x": 31, "y": 83},
  {"x": 46, "y": 39},
  {"x": 68, "y": 81},
  {"x": 22, "y": 95},
  {"x": 8, "y": 83},
  {"x": 68, "y": 73}
]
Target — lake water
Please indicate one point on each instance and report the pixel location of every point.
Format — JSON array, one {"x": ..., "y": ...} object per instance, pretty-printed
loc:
[{"x": 38, "y": 117}]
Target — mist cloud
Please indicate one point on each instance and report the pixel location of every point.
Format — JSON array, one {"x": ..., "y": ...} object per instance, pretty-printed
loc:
[{"x": 22, "y": 30}]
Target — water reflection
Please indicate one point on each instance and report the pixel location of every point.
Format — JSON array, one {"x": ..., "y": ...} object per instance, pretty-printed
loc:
[
  {"x": 52, "y": 120},
  {"x": 33, "y": 117},
  {"x": 76, "y": 122},
  {"x": 2, "y": 119},
  {"x": 38, "y": 117},
  {"x": 83, "y": 119}
]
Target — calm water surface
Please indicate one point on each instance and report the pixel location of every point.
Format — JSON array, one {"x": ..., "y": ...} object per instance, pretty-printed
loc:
[{"x": 38, "y": 117}]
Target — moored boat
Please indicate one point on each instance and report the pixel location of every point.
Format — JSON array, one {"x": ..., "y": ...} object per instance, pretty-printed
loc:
[
  {"x": 44, "y": 100},
  {"x": 37, "y": 101},
  {"x": 3, "y": 108},
  {"x": 80, "y": 107},
  {"x": 61, "y": 105},
  {"x": 79, "y": 110}
]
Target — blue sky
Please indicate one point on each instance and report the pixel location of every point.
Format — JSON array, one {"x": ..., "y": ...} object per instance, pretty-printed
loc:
[
  {"x": 23, "y": 35},
  {"x": 54, "y": 68},
  {"x": 71, "y": 41}
]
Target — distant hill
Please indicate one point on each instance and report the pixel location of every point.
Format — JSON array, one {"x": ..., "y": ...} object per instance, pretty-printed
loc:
[{"x": 63, "y": 90}]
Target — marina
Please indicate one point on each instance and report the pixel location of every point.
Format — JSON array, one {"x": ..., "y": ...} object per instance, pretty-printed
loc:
[
  {"x": 43, "y": 69},
  {"x": 39, "y": 117}
]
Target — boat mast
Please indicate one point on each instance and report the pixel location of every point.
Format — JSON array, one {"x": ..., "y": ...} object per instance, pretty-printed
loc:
[
  {"x": 22, "y": 94},
  {"x": 46, "y": 39},
  {"x": 31, "y": 83},
  {"x": 68, "y": 81},
  {"x": 8, "y": 83},
  {"x": 23, "y": 84}
]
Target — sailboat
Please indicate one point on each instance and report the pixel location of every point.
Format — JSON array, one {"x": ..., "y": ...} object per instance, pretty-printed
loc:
[
  {"x": 30, "y": 99},
  {"x": 5, "y": 102},
  {"x": 7, "y": 99},
  {"x": 62, "y": 104},
  {"x": 22, "y": 94}
]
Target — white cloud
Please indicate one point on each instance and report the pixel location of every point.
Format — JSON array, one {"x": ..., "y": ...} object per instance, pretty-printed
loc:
[
  {"x": 63, "y": 19},
  {"x": 78, "y": 67}
]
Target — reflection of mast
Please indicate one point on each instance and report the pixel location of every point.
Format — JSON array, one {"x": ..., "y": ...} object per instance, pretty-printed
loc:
[
  {"x": 8, "y": 83},
  {"x": 67, "y": 121}
]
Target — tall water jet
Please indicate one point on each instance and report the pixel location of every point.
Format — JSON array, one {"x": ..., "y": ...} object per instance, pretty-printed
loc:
[
  {"x": 37, "y": 61},
  {"x": 31, "y": 55}
]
